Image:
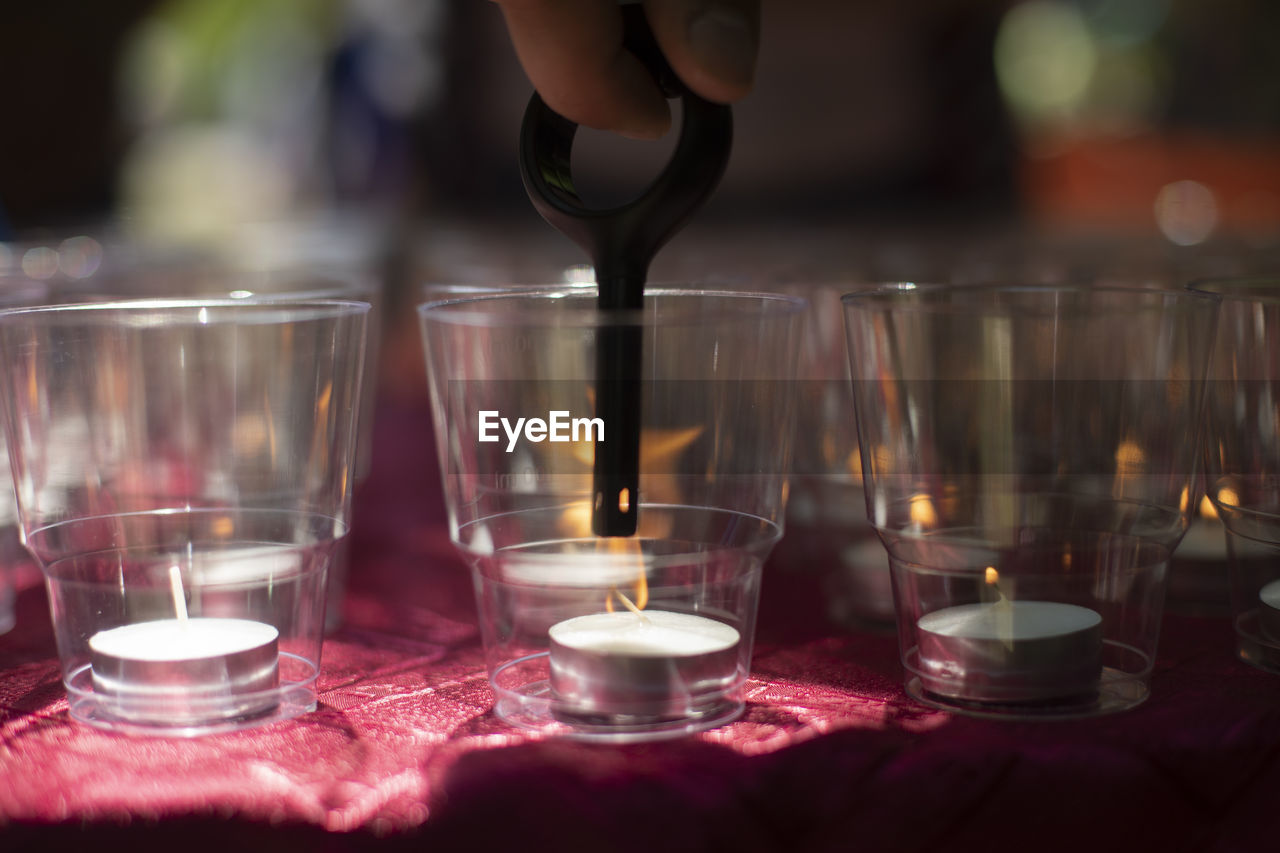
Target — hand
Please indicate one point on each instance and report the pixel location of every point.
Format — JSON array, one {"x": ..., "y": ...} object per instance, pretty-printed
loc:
[{"x": 572, "y": 51}]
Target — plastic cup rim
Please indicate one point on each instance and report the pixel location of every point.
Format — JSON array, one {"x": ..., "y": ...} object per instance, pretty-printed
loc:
[
  {"x": 287, "y": 309},
  {"x": 453, "y": 311},
  {"x": 892, "y": 296}
]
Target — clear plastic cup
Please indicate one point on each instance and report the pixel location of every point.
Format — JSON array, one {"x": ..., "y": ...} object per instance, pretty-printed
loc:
[
  {"x": 1242, "y": 476},
  {"x": 14, "y": 291},
  {"x": 128, "y": 271},
  {"x": 1029, "y": 454},
  {"x": 603, "y": 637},
  {"x": 183, "y": 472}
]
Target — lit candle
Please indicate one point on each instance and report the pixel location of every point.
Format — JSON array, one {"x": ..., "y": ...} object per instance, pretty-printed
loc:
[
  {"x": 185, "y": 670},
  {"x": 1205, "y": 540},
  {"x": 1011, "y": 651},
  {"x": 650, "y": 663},
  {"x": 1269, "y": 612},
  {"x": 1198, "y": 579}
]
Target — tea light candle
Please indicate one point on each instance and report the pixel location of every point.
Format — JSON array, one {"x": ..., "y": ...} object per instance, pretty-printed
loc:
[
  {"x": 1269, "y": 611},
  {"x": 1204, "y": 541},
  {"x": 187, "y": 670},
  {"x": 1011, "y": 651},
  {"x": 650, "y": 663}
]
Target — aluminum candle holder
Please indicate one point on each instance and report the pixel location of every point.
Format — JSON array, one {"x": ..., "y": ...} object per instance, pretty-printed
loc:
[
  {"x": 614, "y": 638},
  {"x": 183, "y": 474},
  {"x": 186, "y": 671},
  {"x": 1243, "y": 458},
  {"x": 1028, "y": 455}
]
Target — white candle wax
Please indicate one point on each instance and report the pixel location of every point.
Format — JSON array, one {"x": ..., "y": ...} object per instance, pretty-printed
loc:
[
  {"x": 1011, "y": 651},
  {"x": 1204, "y": 541},
  {"x": 187, "y": 670},
  {"x": 1269, "y": 611},
  {"x": 653, "y": 663},
  {"x": 182, "y": 639}
]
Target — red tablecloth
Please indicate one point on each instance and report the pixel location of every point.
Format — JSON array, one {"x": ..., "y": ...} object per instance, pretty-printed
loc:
[{"x": 830, "y": 755}]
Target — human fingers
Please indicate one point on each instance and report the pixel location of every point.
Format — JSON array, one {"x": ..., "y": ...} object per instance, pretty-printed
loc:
[
  {"x": 572, "y": 52},
  {"x": 711, "y": 44}
]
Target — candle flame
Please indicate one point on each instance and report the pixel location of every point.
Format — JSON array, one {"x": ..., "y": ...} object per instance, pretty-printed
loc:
[
  {"x": 1003, "y": 610},
  {"x": 992, "y": 579},
  {"x": 1131, "y": 460},
  {"x": 921, "y": 511},
  {"x": 222, "y": 527},
  {"x": 1206, "y": 509},
  {"x": 639, "y": 587},
  {"x": 854, "y": 463},
  {"x": 642, "y": 589}
]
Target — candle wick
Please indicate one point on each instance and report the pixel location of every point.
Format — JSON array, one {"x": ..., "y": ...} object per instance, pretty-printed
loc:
[
  {"x": 992, "y": 579},
  {"x": 627, "y": 603},
  {"x": 1001, "y": 608},
  {"x": 175, "y": 589}
]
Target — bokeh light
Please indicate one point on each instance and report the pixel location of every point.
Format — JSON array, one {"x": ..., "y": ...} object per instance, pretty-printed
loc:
[
  {"x": 79, "y": 257},
  {"x": 40, "y": 262},
  {"x": 1045, "y": 58},
  {"x": 579, "y": 274},
  {"x": 1186, "y": 212}
]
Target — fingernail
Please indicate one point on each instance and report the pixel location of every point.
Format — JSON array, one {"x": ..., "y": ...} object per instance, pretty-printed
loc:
[{"x": 722, "y": 40}]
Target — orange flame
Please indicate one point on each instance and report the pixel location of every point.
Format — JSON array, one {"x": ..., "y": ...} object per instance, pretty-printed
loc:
[
  {"x": 921, "y": 511},
  {"x": 639, "y": 588},
  {"x": 641, "y": 592}
]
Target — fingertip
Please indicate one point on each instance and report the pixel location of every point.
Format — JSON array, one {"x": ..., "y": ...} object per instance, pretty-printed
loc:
[
  {"x": 573, "y": 52},
  {"x": 723, "y": 41},
  {"x": 711, "y": 44}
]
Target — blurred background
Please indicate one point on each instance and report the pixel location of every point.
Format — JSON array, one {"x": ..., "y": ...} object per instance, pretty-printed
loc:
[
  {"x": 146, "y": 144},
  {"x": 950, "y": 139}
]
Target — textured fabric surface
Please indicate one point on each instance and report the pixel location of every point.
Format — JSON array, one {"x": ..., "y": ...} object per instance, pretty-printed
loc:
[{"x": 831, "y": 755}]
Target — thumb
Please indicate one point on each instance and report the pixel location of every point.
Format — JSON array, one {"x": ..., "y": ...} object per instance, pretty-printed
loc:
[{"x": 711, "y": 44}]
